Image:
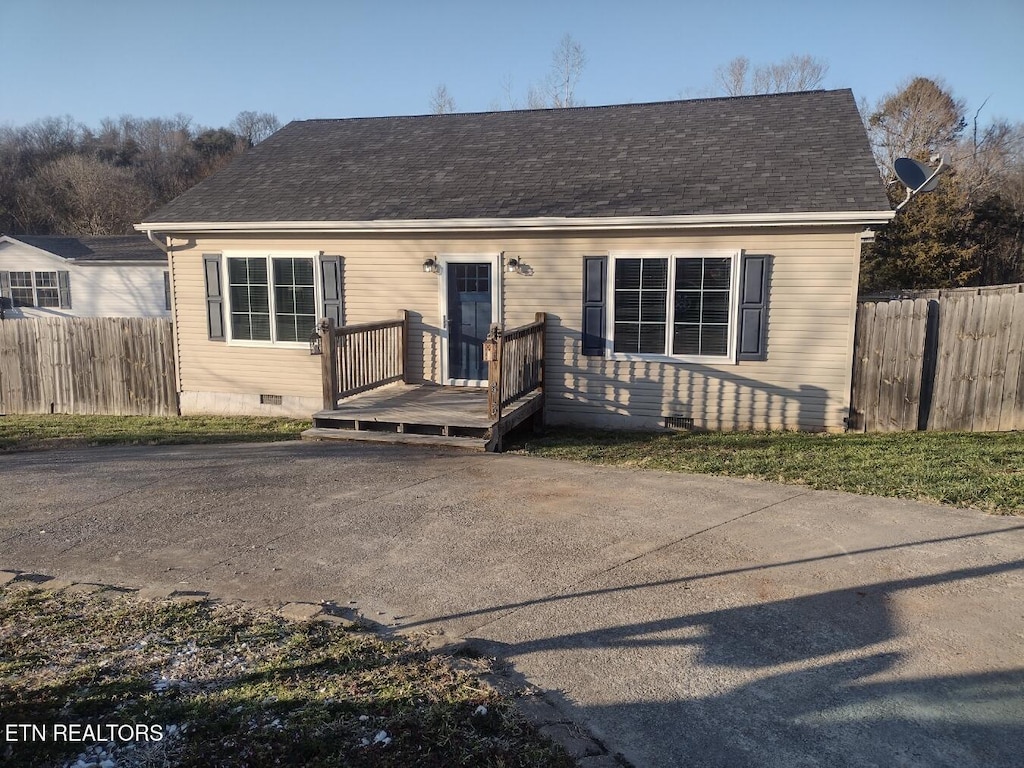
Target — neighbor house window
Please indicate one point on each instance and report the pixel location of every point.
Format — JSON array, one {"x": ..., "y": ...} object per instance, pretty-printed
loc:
[
  {"x": 678, "y": 306},
  {"x": 271, "y": 298},
  {"x": 40, "y": 289}
]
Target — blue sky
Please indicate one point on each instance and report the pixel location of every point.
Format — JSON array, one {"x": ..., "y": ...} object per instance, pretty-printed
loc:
[{"x": 300, "y": 59}]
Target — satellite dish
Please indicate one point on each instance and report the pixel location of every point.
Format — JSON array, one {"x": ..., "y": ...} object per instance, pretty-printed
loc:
[
  {"x": 918, "y": 177},
  {"x": 915, "y": 175}
]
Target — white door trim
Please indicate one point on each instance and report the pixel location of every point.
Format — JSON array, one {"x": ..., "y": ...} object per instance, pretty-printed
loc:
[{"x": 443, "y": 260}]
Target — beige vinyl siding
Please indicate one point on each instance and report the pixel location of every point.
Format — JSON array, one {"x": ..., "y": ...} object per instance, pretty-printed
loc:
[{"x": 803, "y": 383}]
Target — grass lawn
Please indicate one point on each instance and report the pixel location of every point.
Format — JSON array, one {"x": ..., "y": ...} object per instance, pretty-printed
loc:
[
  {"x": 59, "y": 431},
  {"x": 981, "y": 470},
  {"x": 229, "y": 686}
]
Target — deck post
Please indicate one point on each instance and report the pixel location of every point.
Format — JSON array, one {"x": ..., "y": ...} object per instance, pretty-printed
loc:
[
  {"x": 542, "y": 318},
  {"x": 494, "y": 373},
  {"x": 328, "y": 363},
  {"x": 403, "y": 361}
]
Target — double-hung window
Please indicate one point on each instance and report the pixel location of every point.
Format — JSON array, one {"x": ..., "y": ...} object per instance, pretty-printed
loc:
[
  {"x": 39, "y": 289},
  {"x": 271, "y": 298},
  {"x": 675, "y": 305}
]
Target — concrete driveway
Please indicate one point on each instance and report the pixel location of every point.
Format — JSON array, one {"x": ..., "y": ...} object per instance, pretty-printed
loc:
[{"x": 686, "y": 620}]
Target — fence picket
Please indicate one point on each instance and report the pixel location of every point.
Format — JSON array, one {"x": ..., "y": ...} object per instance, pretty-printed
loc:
[
  {"x": 975, "y": 371},
  {"x": 104, "y": 365}
]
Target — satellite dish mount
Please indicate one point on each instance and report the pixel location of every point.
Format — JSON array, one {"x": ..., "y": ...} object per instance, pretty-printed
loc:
[{"x": 918, "y": 177}]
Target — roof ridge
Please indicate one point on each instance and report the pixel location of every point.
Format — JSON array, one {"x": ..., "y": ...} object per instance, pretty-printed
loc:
[{"x": 580, "y": 108}]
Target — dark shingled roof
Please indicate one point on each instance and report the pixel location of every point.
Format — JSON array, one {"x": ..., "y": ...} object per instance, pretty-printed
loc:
[
  {"x": 748, "y": 155},
  {"x": 97, "y": 247}
]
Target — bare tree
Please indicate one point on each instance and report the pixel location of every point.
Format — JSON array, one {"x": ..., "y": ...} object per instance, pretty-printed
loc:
[
  {"x": 795, "y": 73},
  {"x": 254, "y": 127},
  {"x": 731, "y": 78},
  {"x": 558, "y": 89},
  {"x": 508, "y": 91},
  {"x": 918, "y": 119},
  {"x": 567, "y": 64},
  {"x": 441, "y": 102},
  {"x": 536, "y": 98},
  {"x": 81, "y": 195}
]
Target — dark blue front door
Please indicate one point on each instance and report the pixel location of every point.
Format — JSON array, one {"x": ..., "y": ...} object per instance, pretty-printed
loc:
[{"x": 469, "y": 318}]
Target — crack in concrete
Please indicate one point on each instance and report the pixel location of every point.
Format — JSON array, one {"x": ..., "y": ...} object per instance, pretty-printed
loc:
[{"x": 579, "y": 582}]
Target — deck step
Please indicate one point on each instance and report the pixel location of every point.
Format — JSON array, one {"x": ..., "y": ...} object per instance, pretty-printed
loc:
[{"x": 407, "y": 438}]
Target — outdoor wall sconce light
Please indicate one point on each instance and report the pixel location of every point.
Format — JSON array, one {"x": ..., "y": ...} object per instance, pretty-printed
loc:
[
  {"x": 431, "y": 266},
  {"x": 315, "y": 347},
  {"x": 516, "y": 265}
]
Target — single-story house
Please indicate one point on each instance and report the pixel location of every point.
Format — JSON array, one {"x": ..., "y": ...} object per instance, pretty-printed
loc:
[
  {"x": 96, "y": 276},
  {"x": 697, "y": 260}
]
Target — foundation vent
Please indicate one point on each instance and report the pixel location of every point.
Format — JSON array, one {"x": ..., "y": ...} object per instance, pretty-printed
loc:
[
  {"x": 270, "y": 400},
  {"x": 678, "y": 422}
]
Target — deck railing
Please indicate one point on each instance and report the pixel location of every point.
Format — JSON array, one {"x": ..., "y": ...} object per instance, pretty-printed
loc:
[
  {"x": 360, "y": 357},
  {"x": 516, "y": 364}
]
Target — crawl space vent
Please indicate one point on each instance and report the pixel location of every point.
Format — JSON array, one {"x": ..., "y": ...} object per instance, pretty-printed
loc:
[
  {"x": 679, "y": 422},
  {"x": 270, "y": 400}
]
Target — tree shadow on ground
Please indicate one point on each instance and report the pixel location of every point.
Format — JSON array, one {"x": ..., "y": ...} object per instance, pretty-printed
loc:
[{"x": 802, "y": 681}]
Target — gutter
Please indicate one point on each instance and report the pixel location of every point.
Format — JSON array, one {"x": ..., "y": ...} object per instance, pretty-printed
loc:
[
  {"x": 536, "y": 224},
  {"x": 166, "y": 248}
]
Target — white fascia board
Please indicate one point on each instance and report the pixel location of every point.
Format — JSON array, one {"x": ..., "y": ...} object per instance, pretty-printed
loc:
[{"x": 541, "y": 224}]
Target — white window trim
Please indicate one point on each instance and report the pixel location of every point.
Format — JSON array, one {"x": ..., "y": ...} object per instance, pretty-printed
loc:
[
  {"x": 735, "y": 258},
  {"x": 35, "y": 288},
  {"x": 268, "y": 255}
]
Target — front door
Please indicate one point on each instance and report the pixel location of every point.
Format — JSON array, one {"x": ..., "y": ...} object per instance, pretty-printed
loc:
[{"x": 469, "y": 311}]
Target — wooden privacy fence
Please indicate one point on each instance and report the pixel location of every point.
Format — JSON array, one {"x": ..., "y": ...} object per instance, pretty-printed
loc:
[
  {"x": 360, "y": 357},
  {"x": 952, "y": 363},
  {"x": 516, "y": 365},
  {"x": 87, "y": 365}
]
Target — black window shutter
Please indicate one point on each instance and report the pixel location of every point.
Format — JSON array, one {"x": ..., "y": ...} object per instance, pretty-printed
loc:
[
  {"x": 754, "y": 272},
  {"x": 330, "y": 272},
  {"x": 595, "y": 277},
  {"x": 5, "y": 290},
  {"x": 214, "y": 297},
  {"x": 167, "y": 290},
  {"x": 64, "y": 289}
]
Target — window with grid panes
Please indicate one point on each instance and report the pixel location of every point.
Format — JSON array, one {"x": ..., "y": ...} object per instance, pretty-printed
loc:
[
  {"x": 271, "y": 298},
  {"x": 35, "y": 289},
  {"x": 690, "y": 319},
  {"x": 294, "y": 299}
]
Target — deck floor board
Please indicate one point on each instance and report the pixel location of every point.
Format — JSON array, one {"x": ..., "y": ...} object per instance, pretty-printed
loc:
[{"x": 425, "y": 404}]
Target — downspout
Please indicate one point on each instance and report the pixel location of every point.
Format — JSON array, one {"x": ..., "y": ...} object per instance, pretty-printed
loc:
[{"x": 166, "y": 248}]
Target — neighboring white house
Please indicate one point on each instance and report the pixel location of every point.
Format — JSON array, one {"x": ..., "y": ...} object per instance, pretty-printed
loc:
[{"x": 99, "y": 276}]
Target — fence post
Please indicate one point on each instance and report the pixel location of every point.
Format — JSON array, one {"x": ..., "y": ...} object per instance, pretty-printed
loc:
[
  {"x": 328, "y": 363},
  {"x": 542, "y": 318}
]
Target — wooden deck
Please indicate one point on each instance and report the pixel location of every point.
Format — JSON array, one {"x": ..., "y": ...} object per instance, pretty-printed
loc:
[{"x": 423, "y": 413}]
